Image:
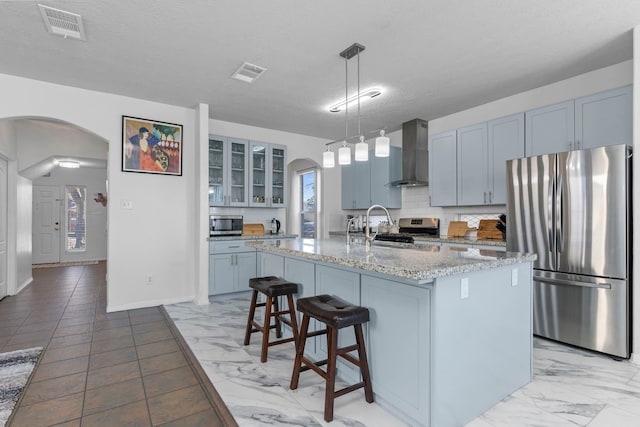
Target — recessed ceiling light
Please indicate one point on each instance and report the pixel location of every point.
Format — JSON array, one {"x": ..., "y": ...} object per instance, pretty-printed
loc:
[
  {"x": 248, "y": 73},
  {"x": 68, "y": 164},
  {"x": 62, "y": 23}
]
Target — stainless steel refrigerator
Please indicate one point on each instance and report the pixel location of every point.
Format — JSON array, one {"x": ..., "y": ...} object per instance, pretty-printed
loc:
[{"x": 574, "y": 210}]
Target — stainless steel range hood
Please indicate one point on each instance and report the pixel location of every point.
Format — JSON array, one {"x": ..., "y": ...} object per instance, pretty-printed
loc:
[{"x": 415, "y": 156}]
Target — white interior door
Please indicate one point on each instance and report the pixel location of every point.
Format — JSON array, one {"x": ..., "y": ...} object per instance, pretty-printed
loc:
[
  {"x": 4, "y": 208},
  {"x": 46, "y": 224}
]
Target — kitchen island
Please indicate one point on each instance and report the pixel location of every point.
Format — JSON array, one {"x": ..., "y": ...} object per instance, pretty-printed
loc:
[{"x": 450, "y": 329}]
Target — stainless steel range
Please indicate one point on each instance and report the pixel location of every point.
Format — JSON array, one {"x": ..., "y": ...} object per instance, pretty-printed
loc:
[{"x": 408, "y": 227}]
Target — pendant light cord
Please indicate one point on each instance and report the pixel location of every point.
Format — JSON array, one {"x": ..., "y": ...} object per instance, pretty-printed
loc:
[
  {"x": 358, "y": 94},
  {"x": 346, "y": 97}
]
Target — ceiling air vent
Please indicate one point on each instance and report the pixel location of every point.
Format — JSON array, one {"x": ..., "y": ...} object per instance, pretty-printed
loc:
[
  {"x": 62, "y": 23},
  {"x": 248, "y": 73}
]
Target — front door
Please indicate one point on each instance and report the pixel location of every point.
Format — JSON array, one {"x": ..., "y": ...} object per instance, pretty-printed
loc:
[
  {"x": 46, "y": 224},
  {"x": 4, "y": 209}
]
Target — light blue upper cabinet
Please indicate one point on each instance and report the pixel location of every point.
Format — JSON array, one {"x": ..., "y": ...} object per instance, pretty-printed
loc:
[
  {"x": 228, "y": 172},
  {"x": 348, "y": 186},
  {"x": 604, "y": 119},
  {"x": 550, "y": 129},
  {"x": 442, "y": 169},
  {"x": 383, "y": 171},
  {"x": 268, "y": 175},
  {"x": 472, "y": 165},
  {"x": 366, "y": 183},
  {"x": 505, "y": 142}
]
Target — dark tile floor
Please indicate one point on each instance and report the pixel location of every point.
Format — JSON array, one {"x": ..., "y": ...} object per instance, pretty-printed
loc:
[{"x": 102, "y": 369}]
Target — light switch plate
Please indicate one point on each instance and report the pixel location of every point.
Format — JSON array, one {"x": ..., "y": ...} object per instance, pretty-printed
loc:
[
  {"x": 464, "y": 288},
  {"x": 514, "y": 277}
]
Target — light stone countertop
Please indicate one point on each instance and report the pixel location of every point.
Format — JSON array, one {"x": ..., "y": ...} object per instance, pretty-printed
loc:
[
  {"x": 261, "y": 237},
  {"x": 419, "y": 263},
  {"x": 421, "y": 238}
]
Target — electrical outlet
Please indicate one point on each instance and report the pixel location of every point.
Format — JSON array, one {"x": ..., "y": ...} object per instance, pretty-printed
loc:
[
  {"x": 126, "y": 204},
  {"x": 464, "y": 288},
  {"x": 148, "y": 280},
  {"x": 514, "y": 277}
]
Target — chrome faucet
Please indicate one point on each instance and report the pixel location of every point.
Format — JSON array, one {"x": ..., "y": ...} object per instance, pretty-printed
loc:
[{"x": 367, "y": 237}]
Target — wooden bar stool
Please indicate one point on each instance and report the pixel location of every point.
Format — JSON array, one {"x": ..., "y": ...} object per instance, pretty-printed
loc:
[
  {"x": 336, "y": 314},
  {"x": 272, "y": 287}
]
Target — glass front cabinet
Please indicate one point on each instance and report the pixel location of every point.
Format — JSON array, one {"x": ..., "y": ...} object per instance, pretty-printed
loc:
[
  {"x": 267, "y": 166},
  {"x": 228, "y": 171}
]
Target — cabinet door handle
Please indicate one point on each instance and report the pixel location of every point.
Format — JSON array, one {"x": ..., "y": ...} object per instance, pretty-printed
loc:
[
  {"x": 485, "y": 197},
  {"x": 234, "y": 247},
  {"x": 490, "y": 197},
  {"x": 570, "y": 145},
  {"x": 577, "y": 144}
]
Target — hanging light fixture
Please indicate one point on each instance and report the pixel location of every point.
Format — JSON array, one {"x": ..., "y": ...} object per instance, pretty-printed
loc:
[
  {"x": 328, "y": 159},
  {"x": 382, "y": 145},
  {"x": 362, "y": 150},
  {"x": 361, "y": 147}
]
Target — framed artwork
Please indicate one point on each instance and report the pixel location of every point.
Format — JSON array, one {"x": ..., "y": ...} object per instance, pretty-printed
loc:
[{"x": 149, "y": 146}]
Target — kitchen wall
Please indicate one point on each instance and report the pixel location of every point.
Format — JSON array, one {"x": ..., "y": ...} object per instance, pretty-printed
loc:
[{"x": 156, "y": 237}]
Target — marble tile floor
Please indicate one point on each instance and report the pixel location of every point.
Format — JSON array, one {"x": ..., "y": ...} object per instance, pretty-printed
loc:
[{"x": 571, "y": 387}]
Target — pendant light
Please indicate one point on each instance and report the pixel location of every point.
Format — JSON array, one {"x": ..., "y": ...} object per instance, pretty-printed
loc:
[
  {"x": 328, "y": 159},
  {"x": 382, "y": 145},
  {"x": 344, "y": 154},
  {"x": 362, "y": 149}
]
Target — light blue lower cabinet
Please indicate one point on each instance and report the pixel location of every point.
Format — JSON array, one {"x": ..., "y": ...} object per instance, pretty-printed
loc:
[
  {"x": 231, "y": 272},
  {"x": 398, "y": 337}
]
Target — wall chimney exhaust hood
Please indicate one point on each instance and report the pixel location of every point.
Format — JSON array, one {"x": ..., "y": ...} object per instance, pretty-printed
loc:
[{"x": 415, "y": 156}]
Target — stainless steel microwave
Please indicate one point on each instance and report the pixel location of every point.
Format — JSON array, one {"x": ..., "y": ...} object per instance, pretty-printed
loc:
[{"x": 225, "y": 225}]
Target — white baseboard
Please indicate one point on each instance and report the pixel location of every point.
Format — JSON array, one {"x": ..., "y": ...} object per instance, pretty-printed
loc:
[
  {"x": 150, "y": 303},
  {"x": 24, "y": 284},
  {"x": 635, "y": 358}
]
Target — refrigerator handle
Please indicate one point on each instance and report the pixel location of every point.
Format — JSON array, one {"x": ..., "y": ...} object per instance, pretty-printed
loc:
[
  {"x": 560, "y": 214},
  {"x": 551, "y": 242}
]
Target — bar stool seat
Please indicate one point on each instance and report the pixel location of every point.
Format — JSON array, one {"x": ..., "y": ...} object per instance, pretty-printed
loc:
[
  {"x": 336, "y": 314},
  {"x": 272, "y": 287}
]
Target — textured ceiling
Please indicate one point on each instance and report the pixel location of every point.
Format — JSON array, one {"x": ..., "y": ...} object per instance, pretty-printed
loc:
[{"x": 432, "y": 58}]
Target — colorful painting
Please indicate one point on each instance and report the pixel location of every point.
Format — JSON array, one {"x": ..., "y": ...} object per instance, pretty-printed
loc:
[{"x": 149, "y": 146}]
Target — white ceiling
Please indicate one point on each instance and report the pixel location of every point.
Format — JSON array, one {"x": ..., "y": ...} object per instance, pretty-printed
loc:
[{"x": 431, "y": 57}]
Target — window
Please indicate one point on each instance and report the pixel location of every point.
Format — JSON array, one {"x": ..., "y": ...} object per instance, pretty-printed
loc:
[
  {"x": 75, "y": 215},
  {"x": 308, "y": 210}
]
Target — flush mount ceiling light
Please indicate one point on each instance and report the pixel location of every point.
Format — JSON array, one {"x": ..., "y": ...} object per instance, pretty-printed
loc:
[
  {"x": 361, "y": 148},
  {"x": 68, "y": 164},
  {"x": 364, "y": 95},
  {"x": 248, "y": 73},
  {"x": 62, "y": 23}
]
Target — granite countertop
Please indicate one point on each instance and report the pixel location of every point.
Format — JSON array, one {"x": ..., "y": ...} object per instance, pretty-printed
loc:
[
  {"x": 261, "y": 237},
  {"x": 419, "y": 263},
  {"x": 439, "y": 239}
]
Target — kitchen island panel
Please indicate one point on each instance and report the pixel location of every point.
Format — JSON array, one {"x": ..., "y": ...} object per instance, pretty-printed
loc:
[
  {"x": 482, "y": 344},
  {"x": 437, "y": 359},
  {"x": 398, "y": 340},
  {"x": 346, "y": 285}
]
